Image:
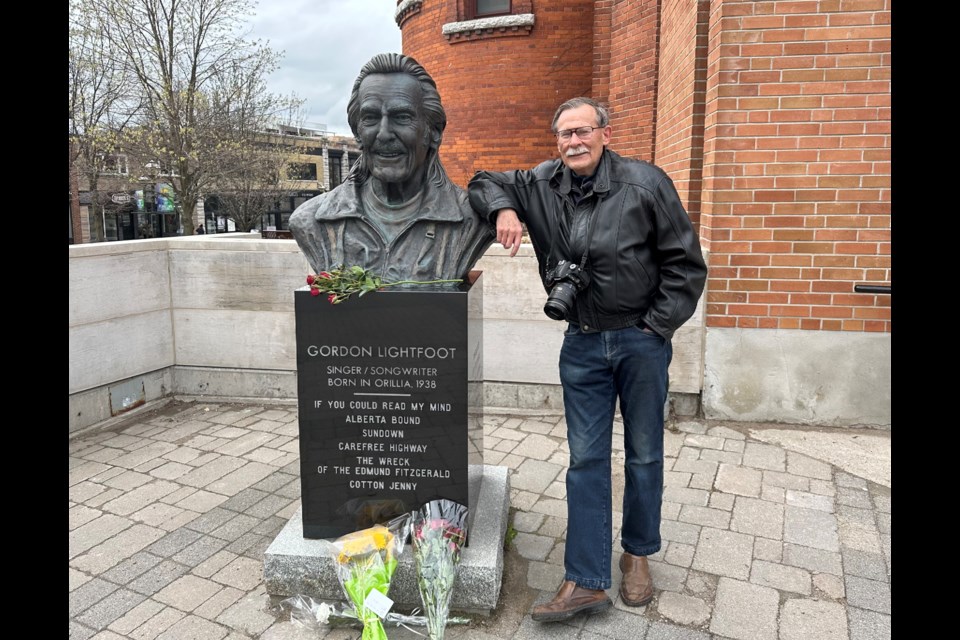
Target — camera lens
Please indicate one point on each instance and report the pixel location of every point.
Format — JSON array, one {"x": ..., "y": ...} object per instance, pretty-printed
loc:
[{"x": 560, "y": 300}]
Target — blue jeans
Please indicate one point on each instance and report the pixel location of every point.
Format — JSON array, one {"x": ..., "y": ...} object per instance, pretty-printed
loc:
[{"x": 595, "y": 370}]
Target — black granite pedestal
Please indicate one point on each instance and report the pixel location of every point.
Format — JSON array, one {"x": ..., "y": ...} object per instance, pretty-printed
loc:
[
  {"x": 390, "y": 408},
  {"x": 390, "y": 402}
]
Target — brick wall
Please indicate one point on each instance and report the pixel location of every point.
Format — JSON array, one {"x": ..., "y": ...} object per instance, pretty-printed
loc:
[
  {"x": 76, "y": 218},
  {"x": 632, "y": 93},
  {"x": 500, "y": 90},
  {"x": 680, "y": 98},
  {"x": 773, "y": 118},
  {"x": 796, "y": 203},
  {"x": 602, "y": 28}
]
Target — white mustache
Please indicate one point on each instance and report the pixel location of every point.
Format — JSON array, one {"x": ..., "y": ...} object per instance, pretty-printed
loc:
[{"x": 576, "y": 151}]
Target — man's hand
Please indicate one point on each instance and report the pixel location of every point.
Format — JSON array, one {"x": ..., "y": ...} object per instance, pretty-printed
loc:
[{"x": 509, "y": 230}]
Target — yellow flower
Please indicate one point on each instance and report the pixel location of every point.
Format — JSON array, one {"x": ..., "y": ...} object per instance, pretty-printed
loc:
[{"x": 376, "y": 538}]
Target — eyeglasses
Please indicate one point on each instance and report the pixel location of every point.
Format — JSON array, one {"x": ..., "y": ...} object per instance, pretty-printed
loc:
[{"x": 583, "y": 133}]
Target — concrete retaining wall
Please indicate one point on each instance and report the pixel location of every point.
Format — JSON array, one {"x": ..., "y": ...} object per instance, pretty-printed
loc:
[
  {"x": 828, "y": 378},
  {"x": 213, "y": 315}
]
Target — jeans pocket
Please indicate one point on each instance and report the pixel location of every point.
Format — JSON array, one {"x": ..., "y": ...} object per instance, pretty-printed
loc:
[
  {"x": 572, "y": 329},
  {"x": 644, "y": 330}
]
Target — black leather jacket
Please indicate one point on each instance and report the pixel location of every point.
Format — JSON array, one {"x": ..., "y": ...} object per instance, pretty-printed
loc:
[{"x": 644, "y": 258}]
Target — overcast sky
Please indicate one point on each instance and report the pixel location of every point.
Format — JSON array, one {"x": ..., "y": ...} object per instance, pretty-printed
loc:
[{"x": 325, "y": 42}]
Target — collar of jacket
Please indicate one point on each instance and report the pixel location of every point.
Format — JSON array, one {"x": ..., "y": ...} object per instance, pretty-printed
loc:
[
  {"x": 440, "y": 203},
  {"x": 562, "y": 179}
]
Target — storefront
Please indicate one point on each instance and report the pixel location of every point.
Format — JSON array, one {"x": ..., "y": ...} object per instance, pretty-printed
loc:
[
  {"x": 276, "y": 219},
  {"x": 142, "y": 213}
]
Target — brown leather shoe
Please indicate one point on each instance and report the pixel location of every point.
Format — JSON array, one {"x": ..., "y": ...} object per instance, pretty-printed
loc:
[
  {"x": 636, "y": 588},
  {"x": 569, "y": 601}
]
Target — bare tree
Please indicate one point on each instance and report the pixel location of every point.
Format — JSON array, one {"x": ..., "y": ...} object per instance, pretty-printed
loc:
[
  {"x": 193, "y": 66},
  {"x": 101, "y": 103},
  {"x": 253, "y": 162},
  {"x": 255, "y": 184}
]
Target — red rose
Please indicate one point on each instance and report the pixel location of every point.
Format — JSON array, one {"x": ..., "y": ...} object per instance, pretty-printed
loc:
[
  {"x": 324, "y": 274},
  {"x": 310, "y": 279},
  {"x": 331, "y": 298},
  {"x": 314, "y": 292}
]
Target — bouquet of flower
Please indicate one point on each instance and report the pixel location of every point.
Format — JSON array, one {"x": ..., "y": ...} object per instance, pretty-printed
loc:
[
  {"x": 366, "y": 561},
  {"x": 342, "y": 282},
  {"x": 439, "y": 533}
]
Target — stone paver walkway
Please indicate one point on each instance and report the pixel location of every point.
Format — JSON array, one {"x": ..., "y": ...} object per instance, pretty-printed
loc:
[{"x": 771, "y": 532}]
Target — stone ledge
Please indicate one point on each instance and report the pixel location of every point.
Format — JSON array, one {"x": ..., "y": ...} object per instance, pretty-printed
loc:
[
  {"x": 406, "y": 9},
  {"x": 519, "y": 24},
  {"x": 295, "y": 565}
]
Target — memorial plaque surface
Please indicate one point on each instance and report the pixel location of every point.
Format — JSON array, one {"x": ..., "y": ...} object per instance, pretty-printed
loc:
[{"x": 384, "y": 405}]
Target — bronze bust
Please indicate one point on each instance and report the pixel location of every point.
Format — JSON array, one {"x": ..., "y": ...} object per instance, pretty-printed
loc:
[{"x": 397, "y": 212}]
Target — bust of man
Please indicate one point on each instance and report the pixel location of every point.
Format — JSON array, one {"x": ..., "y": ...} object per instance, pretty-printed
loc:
[{"x": 397, "y": 212}]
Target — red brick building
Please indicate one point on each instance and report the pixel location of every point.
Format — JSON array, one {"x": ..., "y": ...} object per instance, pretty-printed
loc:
[{"x": 772, "y": 118}]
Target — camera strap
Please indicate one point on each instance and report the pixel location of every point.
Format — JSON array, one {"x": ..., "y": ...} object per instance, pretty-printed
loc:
[{"x": 555, "y": 233}]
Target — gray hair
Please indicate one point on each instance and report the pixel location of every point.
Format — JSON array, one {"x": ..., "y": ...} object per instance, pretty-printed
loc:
[{"x": 603, "y": 115}]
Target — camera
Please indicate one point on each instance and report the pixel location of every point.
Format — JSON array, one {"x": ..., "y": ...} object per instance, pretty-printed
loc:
[{"x": 565, "y": 281}]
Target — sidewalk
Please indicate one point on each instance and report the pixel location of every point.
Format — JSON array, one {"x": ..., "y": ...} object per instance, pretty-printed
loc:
[{"x": 771, "y": 532}]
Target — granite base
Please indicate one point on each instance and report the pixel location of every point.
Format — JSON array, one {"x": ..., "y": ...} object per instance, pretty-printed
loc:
[{"x": 295, "y": 565}]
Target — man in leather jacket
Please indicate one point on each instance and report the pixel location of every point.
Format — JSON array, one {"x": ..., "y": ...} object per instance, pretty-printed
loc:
[{"x": 637, "y": 274}]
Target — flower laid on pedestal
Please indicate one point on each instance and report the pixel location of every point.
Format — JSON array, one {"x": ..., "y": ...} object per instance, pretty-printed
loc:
[
  {"x": 366, "y": 561},
  {"x": 340, "y": 283},
  {"x": 439, "y": 533}
]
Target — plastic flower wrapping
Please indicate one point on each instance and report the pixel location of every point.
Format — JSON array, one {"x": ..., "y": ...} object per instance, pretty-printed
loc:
[
  {"x": 439, "y": 533},
  {"x": 366, "y": 561},
  {"x": 320, "y": 616}
]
